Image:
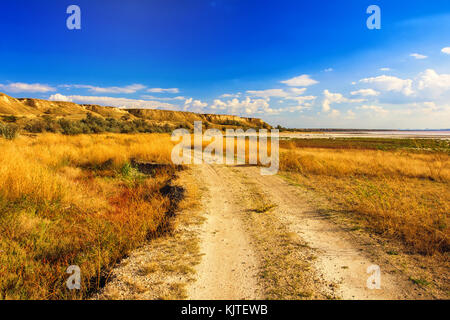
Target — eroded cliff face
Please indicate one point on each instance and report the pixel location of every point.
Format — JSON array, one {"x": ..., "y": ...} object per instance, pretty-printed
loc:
[{"x": 27, "y": 109}]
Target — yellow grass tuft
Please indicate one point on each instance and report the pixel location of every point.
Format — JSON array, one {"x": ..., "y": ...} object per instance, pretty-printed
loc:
[
  {"x": 66, "y": 200},
  {"x": 400, "y": 194}
]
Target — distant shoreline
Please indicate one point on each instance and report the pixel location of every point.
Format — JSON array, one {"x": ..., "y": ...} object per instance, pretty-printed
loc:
[
  {"x": 361, "y": 130},
  {"x": 398, "y": 134}
]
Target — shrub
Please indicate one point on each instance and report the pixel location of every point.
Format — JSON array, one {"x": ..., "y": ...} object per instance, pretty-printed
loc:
[
  {"x": 9, "y": 131},
  {"x": 36, "y": 126},
  {"x": 10, "y": 119},
  {"x": 93, "y": 124}
]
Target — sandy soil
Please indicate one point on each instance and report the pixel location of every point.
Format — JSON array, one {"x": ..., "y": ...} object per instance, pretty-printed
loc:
[
  {"x": 262, "y": 237},
  {"x": 229, "y": 267},
  {"x": 342, "y": 258}
]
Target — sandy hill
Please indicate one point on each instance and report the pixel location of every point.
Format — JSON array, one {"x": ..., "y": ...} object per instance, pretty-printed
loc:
[{"x": 26, "y": 110}]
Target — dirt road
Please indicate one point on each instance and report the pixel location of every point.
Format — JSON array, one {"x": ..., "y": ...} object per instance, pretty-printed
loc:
[
  {"x": 233, "y": 264},
  {"x": 256, "y": 237},
  {"x": 229, "y": 267}
]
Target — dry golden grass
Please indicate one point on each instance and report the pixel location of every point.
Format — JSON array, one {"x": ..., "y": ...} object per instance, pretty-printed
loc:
[
  {"x": 74, "y": 201},
  {"x": 400, "y": 194},
  {"x": 242, "y": 150}
]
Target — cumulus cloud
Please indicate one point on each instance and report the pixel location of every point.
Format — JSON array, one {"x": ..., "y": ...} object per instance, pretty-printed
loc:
[
  {"x": 331, "y": 98},
  {"x": 59, "y": 97},
  {"x": 302, "y": 99},
  {"x": 431, "y": 107},
  {"x": 373, "y": 108},
  {"x": 426, "y": 85},
  {"x": 245, "y": 106},
  {"x": 297, "y": 91},
  {"x": 430, "y": 79},
  {"x": 446, "y": 50},
  {"x": 115, "y": 102},
  {"x": 418, "y": 56},
  {"x": 26, "y": 87},
  {"x": 391, "y": 83},
  {"x": 194, "y": 105},
  {"x": 300, "y": 81},
  {"x": 365, "y": 93},
  {"x": 385, "y": 69}
]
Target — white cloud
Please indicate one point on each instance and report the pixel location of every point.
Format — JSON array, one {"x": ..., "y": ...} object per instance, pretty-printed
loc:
[
  {"x": 431, "y": 108},
  {"x": 148, "y": 97},
  {"x": 245, "y": 106},
  {"x": 391, "y": 83},
  {"x": 133, "y": 88},
  {"x": 374, "y": 108},
  {"x": 385, "y": 69},
  {"x": 194, "y": 105},
  {"x": 302, "y": 99},
  {"x": 446, "y": 50},
  {"x": 328, "y": 70},
  {"x": 297, "y": 91},
  {"x": 300, "y": 108},
  {"x": 25, "y": 87},
  {"x": 290, "y": 94},
  {"x": 300, "y": 81},
  {"x": 280, "y": 93},
  {"x": 331, "y": 98},
  {"x": 418, "y": 56},
  {"x": 430, "y": 79},
  {"x": 115, "y": 102},
  {"x": 59, "y": 97},
  {"x": 162, "y": 90},
  {"x": 365, "y": 93},
  {"x": 230, "y": 95}
]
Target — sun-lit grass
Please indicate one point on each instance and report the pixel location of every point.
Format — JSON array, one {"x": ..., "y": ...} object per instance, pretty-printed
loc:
[
  {"x": 401, "y": 194},
  {"x": 74, "y": 200}
]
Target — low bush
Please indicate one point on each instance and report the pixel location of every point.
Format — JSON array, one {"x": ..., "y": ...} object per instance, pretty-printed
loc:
[
  {"x": 94, "y": 125},
  {"x": 9, "y": 131}
]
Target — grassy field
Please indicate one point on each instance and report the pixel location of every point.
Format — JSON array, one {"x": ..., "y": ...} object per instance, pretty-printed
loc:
[
  {"x": 397, "y": 187},
  {"x": 420, "y": 145},
  {"x": 75, "y": 200},
  {"x": 78, "y": 200}
]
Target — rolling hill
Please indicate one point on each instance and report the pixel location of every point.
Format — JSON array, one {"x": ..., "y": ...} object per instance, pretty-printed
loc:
[{"x": 26, "y": 111}]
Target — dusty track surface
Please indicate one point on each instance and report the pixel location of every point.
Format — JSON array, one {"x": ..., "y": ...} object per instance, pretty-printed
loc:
[
  {"x": 229, "y": 268},
  {"x": 262, "y": 238}
]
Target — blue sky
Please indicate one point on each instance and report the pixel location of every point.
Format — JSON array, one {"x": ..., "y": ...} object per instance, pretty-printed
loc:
[{"x": 295, "y": 63}]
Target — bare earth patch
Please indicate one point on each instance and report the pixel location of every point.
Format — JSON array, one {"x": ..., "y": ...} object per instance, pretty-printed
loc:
[
  {"x": 261, "y": 237},
  {"x": 229, "y": 267}
]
